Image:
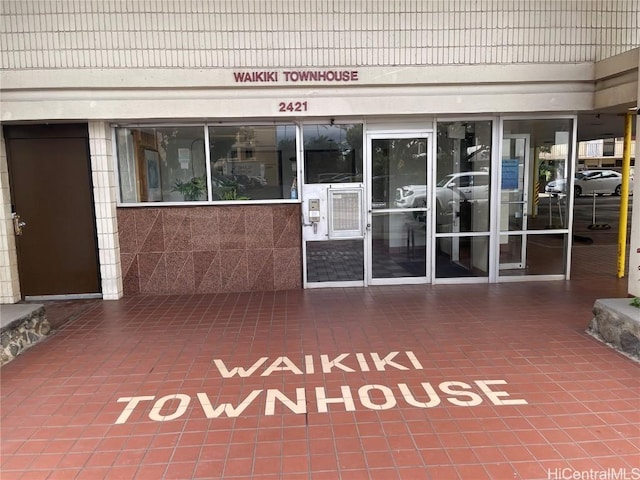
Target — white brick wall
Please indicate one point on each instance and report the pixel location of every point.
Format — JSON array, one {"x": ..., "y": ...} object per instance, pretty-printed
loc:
[
  {"x": 104, "y": 193},
  {"x": 9, "y": 284},
  {"x": 311, "y": 33}
]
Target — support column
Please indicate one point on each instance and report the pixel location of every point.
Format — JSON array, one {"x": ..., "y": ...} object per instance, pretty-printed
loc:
[
  {"x": 634, "y": 244},
  {"x": 9, "y": 281},
  {"x": 104, "y": 194},
  {"x": 624, "y": 195}
]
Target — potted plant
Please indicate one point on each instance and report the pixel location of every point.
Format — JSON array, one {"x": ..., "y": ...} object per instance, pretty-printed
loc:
[
  {"x": 191, "y": 189},
  {"x": 228, "y": 190}
]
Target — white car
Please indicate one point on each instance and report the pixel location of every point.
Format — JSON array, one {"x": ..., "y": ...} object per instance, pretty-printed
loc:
[
  {"x": 590, "y": 182},
  {"x": 453, "y": 188}
]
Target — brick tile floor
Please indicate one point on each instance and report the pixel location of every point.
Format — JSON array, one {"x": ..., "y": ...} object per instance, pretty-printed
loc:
[{"x": 404, "y": 382}]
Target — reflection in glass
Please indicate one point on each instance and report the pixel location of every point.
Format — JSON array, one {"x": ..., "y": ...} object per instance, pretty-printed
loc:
[
  {"x": 335, "y": 261},
  {"x": 161, "y": 164},
  {"x": 399, "y": 173},
  {"x": 541, "y": 149},
  {"x": 544, "y": 254},
  {"x": 398, "y": 245},
  {"x": 333, "y": 153},
  {"x": 253, "y": 162},
  {"x": 463, "y": 176},
  {"x": 168, "y": 164},
  {"x": 462, "y": 257}
]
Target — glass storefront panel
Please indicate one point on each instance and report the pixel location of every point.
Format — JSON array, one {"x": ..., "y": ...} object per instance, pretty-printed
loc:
[
  {"x": 335, "y": 261},
  {"x": 398, "y": 243},
  {"x": 463, "y": 176},
  {"x": 462, "y": 257},
  {"x": 333, "y": 153},
  {"x": 161, "y": 164},
  {"x": 399, "y": 173},
  {"x": 536, "y": 170},
  {"x": 253, "y": 162},
  {"x": 533, "y": 254},
  {"x": 168, "y": 164}
]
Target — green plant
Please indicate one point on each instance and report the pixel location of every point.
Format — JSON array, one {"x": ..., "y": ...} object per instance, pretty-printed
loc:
[
  {"x": 191, "y": 189},
  {"x": 635, "y": 302},
  {"x": 228, "y": 190}
]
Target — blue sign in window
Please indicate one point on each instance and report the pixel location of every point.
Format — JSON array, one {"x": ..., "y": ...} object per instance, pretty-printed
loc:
[{"x": 510, "y": 174}]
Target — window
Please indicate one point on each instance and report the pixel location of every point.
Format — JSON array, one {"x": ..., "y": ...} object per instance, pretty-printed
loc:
[
  {"x": 333, "y": 153},
  {"x": 608, "y": 147},
  {"x": 463, "y": 174},
  {"x": 462, "y": 194},
  {"x": 161, "y": 164},
  {"x": 252, "y": 162},
  {"x": 168, "y": 164}
]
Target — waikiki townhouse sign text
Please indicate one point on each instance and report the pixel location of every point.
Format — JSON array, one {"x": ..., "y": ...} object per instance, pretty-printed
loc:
[
  {"x": 296, "y": 76},
  {"x": 347, "y": 397}
]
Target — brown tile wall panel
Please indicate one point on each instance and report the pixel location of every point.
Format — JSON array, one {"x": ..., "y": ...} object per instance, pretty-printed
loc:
[
  {"x": 213, "y": 249},
  {"x": 127, "y": 232}
]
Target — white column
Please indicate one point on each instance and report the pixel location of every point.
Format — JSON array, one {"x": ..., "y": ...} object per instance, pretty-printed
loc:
[
  {"x": 634, "y": 243},
  {"x": 9, "y": 282},
  {"x": 104, "y": 194}
]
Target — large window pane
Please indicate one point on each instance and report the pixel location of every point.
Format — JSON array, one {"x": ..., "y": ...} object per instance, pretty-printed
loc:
[
  {"x": 542, "y": 150},
  {"x": 333, "y": 153},
  {"x": 399, "y": 173},
  {"x": 168, "y": 164},
  {"x": 253, "y": 162},
  {"x": 161, "y": 164},
  {"x": 463, "y": 176}
]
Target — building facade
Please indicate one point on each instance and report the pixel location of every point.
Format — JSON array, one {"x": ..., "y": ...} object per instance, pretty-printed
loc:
[{"x": 180, "y": 147}]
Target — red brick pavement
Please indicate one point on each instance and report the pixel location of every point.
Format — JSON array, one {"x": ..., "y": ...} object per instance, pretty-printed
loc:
[{"x": 488, "y": 382}]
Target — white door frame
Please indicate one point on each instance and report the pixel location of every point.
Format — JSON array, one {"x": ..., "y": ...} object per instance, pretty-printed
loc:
[
  {"x": 396, "y": 133},
  {"x": 525, "y": 202}
]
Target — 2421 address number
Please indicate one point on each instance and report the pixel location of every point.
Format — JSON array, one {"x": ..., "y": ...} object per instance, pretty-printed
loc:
[{"x": 292, "y": 106}]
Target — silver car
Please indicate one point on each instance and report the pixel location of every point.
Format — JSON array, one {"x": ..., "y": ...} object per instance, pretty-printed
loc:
[
  {"x": 590, "y": 182},
  {"x": 458, "y": 187}
]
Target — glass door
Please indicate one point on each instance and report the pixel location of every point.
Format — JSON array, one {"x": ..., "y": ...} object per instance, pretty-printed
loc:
[{"x": 399, "y": 200}]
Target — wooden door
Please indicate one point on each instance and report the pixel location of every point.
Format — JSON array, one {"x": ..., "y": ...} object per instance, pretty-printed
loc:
[{"x": 51, "y": 190}]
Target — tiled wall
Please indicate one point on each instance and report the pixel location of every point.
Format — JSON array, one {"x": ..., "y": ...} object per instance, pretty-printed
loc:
[
  {"x": 104, "y": 196},
  {"x": 210, "y": 249},
  {"x": 9, "y": 285},
  {"x": 311, "y": 33}
]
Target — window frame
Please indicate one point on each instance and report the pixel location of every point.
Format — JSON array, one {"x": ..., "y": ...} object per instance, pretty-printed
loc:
[{"x": 209, "y": 200}]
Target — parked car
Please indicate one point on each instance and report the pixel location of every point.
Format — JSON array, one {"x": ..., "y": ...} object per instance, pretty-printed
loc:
[
  {"x": 451, "y": 190},
  {"x": 589, "y": 182}
]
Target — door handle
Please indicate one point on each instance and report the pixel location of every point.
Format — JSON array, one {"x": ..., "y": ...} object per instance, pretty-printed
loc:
[{"x": 18, "y": 225}]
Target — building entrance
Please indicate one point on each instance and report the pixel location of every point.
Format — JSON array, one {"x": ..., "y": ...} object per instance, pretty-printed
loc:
[
  {"x": 365, "y": 222},
  {"x": 52, "y": 193},
  {"x": 398, "y": 206}
]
